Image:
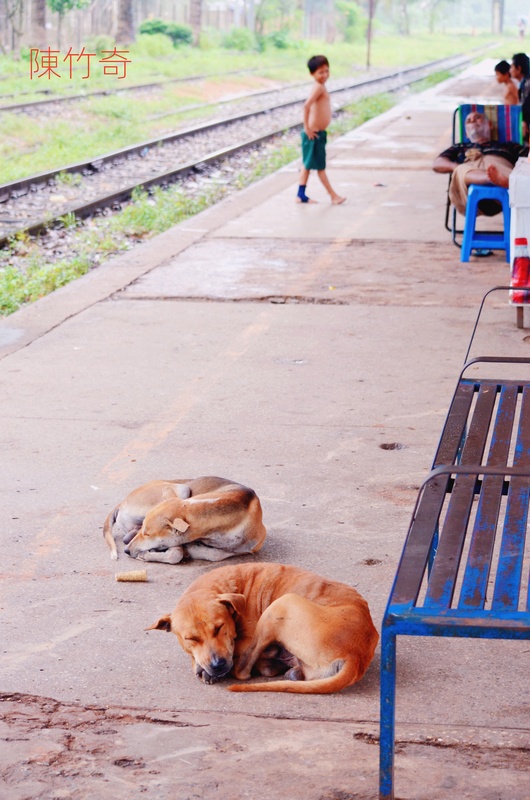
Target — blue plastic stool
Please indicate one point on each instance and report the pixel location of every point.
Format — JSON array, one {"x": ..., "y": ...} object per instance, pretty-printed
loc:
[{"x": 473, "y": 239}]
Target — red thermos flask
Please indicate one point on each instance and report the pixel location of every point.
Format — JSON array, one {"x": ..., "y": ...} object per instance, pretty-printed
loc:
[{"x": 520, "y": 272}]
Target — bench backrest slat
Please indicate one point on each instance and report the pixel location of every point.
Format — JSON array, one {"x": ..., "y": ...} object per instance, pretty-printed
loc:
[
  {"x": 478, "y": 566},
  {"x": 509, "y": 572},
  {"x": 443, "y": 576}
]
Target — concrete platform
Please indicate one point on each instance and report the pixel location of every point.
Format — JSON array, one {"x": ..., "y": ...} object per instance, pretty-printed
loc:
[{"x": 290, "y": 348}]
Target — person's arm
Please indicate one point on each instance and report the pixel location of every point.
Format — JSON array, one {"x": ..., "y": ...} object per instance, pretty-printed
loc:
[
  {"x": 443, "y": 164},
  {"x": 316, "y": 92}
]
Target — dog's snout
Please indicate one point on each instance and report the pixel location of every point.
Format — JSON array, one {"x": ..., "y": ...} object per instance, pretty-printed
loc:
[
  {"x": 219, "y": 666},
  {"x": 127, "y": 551}
]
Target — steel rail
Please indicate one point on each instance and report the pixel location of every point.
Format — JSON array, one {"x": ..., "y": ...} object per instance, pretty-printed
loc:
[
  {"x": 83, "y": 210},
  {"x": 108, "y": 92}
]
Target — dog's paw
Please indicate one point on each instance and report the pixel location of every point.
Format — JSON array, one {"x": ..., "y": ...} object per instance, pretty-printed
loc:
[
  {"x": 295, "y": 674},
  {"x": 204, "y": 676}
]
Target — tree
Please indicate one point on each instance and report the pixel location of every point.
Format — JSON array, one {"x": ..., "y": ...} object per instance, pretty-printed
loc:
[
  {"x": 432, "y": 7},
  {"x": 61, "y": 7},
  {"x": 38, "y": 23},
  {"x": 125, "y": 32},
  {"x": 14, "y": 10}
]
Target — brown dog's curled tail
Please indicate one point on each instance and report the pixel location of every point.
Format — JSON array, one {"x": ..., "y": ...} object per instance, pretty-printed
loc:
[
  {"x": 107, "y": 533},
  {"x": 350, "y": 672}
]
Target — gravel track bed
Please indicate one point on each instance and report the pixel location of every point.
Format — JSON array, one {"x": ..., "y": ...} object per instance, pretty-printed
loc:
[
  {"x": 58, "y": 242},
  {"x": 52, "y": 199}
]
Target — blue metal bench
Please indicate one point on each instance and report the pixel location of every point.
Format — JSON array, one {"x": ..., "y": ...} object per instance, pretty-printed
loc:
[{"x": 460, "y": 572}]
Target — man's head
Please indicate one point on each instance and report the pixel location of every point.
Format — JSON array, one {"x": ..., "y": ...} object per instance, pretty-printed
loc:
[
  {"x": 478, "y": 128},
  {"x": 520, "y": 66},
  {"x": 318, "y": 66},
  {"x": 502, "y": 71}
]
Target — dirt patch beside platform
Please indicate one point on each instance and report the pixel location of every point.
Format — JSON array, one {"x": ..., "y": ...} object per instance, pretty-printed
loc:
[{"x": 53, "y": 750}]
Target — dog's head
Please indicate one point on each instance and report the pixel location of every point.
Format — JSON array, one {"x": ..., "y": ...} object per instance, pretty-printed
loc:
[
  {"x": 160, "y": 529},
  {"x": 206, "y": 629}
]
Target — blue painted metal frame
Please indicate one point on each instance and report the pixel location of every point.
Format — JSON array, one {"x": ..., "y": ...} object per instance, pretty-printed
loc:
[
  {"x": 405, "y": 618},
  {"x": 456, "y": 484}
]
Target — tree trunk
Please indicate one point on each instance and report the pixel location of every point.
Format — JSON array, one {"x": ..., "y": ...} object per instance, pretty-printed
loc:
[
  {"x": 38, "y": 24},
  {"x": 432, "y": 15},
  {"x": 404, "y": 18},
  {"x": 195, "y": 19},
  {"x": 251, "y": 15},
  {"x": 369, "y": 32},
  {"x": 125, "y": 32}
]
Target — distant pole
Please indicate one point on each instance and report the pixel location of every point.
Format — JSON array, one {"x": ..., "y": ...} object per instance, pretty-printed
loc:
[
  {"x": 497, "y": 16},
  {"x": 371, "y": 13}
]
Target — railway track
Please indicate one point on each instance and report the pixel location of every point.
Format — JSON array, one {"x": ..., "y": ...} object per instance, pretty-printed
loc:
[
  {"x": 86, "y": 188},
  {"x": 37, "y": 104}
]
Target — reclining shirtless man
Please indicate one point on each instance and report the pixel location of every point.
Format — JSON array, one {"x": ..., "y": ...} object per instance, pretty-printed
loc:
[{"x": 479, "y": 161}]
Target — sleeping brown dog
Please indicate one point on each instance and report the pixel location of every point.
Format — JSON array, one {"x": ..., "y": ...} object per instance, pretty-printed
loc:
[
  {"x": 208, "y": 518},
  {"x": 274, "y": 619}
]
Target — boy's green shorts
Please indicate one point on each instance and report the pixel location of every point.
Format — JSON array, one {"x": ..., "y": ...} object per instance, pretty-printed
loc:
[{"x": 314, "y": 150}]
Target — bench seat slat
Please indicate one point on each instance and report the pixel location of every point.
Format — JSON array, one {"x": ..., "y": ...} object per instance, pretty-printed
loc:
[
  {"x": 442, "y": 580},
  {"x": 509, "y": 572},
  {"x": 475, "y": 583},
  {"x": 508, "y": 580}
]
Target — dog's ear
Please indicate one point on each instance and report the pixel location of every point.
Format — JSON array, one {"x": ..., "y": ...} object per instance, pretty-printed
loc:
[
  {"x": 163, "y": 624},
  {"x": 236, "y": 603},
  {"x": 180, "y": 525}
]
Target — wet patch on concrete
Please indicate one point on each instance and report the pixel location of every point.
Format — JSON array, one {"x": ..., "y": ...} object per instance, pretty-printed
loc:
[{"x": 338, "y": 272}]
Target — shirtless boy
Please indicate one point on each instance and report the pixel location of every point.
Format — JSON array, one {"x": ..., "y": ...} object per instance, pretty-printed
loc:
[
  {"x": 317, "y": 116},
  {"x": 502, "y": 73}
]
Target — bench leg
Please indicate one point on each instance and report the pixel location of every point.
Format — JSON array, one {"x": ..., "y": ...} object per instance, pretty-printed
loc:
[
  {"x": 388, "y": 716},
  {"x": 520, "y": 316}
]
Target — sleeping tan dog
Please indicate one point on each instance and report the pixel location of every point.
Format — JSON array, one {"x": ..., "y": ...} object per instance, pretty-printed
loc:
[
  {"x": 209, "y": 518},
  {"x": 274, "y": 619}
]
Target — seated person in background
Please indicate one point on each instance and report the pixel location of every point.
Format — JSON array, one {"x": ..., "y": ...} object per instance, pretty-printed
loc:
[
  {"x": 502, "y": 74},
  {"x": 480, "y": 161}
]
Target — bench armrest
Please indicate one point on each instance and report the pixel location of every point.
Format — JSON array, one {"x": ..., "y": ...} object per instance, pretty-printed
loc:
[
  {"x": 466, "y": 469},
  {"x": 475, "y": 469},
  {"x": 494, "y": 289},
  {"x": 494, "y": 360}
]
